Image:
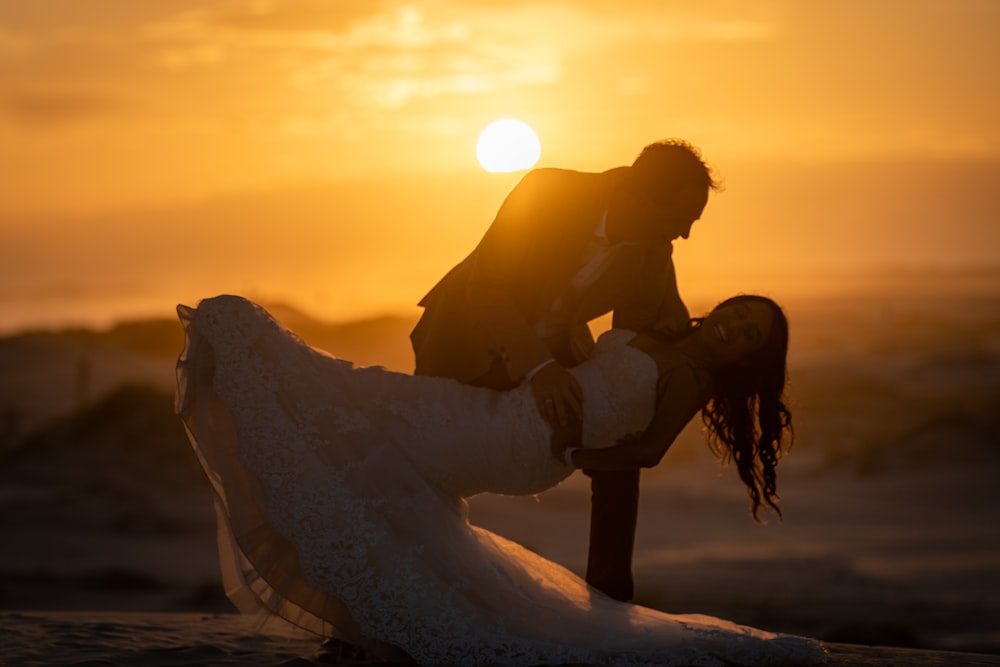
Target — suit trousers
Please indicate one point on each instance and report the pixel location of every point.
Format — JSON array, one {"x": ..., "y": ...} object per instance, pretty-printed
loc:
[{"x": 614, "y": 508}]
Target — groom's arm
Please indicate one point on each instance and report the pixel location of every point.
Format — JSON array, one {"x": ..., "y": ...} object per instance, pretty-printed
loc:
[
  {"x": 657, "y": 304},
  {"x": 672, "y": 315}
]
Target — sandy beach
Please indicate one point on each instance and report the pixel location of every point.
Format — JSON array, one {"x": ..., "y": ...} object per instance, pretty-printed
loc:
[
  {"x": 229, "y": 640},
  {"x": 889, "y": 535}
]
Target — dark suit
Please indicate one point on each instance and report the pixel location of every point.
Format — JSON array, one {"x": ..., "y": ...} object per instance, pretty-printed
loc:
[{"x": 481, "y": 321}]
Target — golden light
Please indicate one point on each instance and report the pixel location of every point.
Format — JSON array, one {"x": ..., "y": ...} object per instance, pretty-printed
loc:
[{"x": 508, "y": 145}]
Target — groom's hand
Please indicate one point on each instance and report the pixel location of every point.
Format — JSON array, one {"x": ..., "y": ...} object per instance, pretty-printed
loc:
[
  {"x": 557, "y": 394},
  {"x": 565, "y": 437}
]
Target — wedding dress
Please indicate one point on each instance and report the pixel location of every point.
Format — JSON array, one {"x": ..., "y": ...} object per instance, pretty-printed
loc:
[{"x": 340, "y": 497}]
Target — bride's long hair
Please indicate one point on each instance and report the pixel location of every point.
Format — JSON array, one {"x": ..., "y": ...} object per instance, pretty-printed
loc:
[{"x": 746, "y": 420}]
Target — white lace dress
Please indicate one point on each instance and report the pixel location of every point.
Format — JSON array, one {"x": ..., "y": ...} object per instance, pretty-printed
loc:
[{"x": 339, "y": 493}]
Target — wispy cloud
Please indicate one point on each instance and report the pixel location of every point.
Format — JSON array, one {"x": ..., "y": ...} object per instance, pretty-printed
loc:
[
  {"x": 256, "y": 90},
  {"x": 389, "y": 55},
  {"x": 385, "y": 59},
  {"x": 46, "y": 108},
  {"x": 13, "y": 44}
]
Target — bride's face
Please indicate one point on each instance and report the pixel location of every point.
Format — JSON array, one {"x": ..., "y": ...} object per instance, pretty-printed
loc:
[{"x": 734, "y": 331}]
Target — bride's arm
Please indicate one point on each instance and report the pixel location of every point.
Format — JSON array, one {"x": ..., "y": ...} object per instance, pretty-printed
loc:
[{"x": 682, "y": 395}]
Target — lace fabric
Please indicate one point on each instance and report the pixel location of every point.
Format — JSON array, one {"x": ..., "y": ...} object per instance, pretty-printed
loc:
[{"x": 340, "y": 496}]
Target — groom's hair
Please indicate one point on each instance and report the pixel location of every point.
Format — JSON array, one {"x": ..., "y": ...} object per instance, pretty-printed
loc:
[{"x": 668, "y": 165}]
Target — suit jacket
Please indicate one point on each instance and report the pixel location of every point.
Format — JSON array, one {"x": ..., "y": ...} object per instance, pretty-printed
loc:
[{"x": 489, "y": 305}]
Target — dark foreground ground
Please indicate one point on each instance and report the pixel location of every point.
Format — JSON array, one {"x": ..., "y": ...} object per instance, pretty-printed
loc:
[{"x": 217, "y": 640}]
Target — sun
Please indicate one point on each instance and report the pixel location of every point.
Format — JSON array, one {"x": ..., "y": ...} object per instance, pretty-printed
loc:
[{"x": 508, "y": 145}]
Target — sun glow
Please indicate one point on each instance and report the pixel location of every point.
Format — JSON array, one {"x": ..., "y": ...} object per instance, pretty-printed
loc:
[{"x": 508, "y": 145}]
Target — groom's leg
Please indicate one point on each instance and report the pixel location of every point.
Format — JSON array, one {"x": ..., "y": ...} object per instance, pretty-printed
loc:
[{"x": 614, "y": 507}]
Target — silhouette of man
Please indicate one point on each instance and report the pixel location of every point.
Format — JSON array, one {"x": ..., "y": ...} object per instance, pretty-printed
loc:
[{"x": 567, "y": 247}]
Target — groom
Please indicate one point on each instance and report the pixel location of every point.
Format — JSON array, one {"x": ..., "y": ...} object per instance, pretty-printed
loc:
[{"x": 567, "y": 247}]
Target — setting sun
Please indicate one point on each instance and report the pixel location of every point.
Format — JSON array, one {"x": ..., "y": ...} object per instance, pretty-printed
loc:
[{"x": 508, "y": 145}]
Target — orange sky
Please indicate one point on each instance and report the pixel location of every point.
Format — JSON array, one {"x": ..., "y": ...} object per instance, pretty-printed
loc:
[{"x": 324, "y": 152}]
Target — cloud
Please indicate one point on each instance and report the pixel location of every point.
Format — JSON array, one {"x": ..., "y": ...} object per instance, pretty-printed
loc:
[
  {"x": 295, "y": 15},
  {"x": 188, "y": 57},
  {"x": 13, "y": 44},
  {"x": 377, "y": 57},
  {"x": 371, "y": 57},
  {"x": 384, "y": 59},
  {"x": 260, "y": 25},
  {"x": 405, "y": 56},
  {"x": 45, "y": 108}
]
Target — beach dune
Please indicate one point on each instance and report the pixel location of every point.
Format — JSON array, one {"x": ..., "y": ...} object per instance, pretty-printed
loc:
[{"x": 889, "y": 535}]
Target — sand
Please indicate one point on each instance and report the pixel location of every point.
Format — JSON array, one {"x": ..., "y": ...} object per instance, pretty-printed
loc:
[
  {"x": 222, "y": 640},
  {"x": 889, "y": 538}
]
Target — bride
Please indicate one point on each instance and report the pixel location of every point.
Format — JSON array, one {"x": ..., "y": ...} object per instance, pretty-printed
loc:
[{"x": 340, "y": 490}]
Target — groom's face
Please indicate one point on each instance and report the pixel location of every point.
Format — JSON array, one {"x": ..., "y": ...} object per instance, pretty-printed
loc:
[{"x": 638, "y": 217}]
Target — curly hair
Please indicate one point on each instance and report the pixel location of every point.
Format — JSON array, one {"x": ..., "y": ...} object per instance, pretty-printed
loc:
[
  {"x": 746, "y": 420},
  {"x": 672, "y": 163}
]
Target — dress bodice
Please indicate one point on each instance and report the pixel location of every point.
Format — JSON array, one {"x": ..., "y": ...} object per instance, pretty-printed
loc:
[{"x": 619, "y": 389}]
